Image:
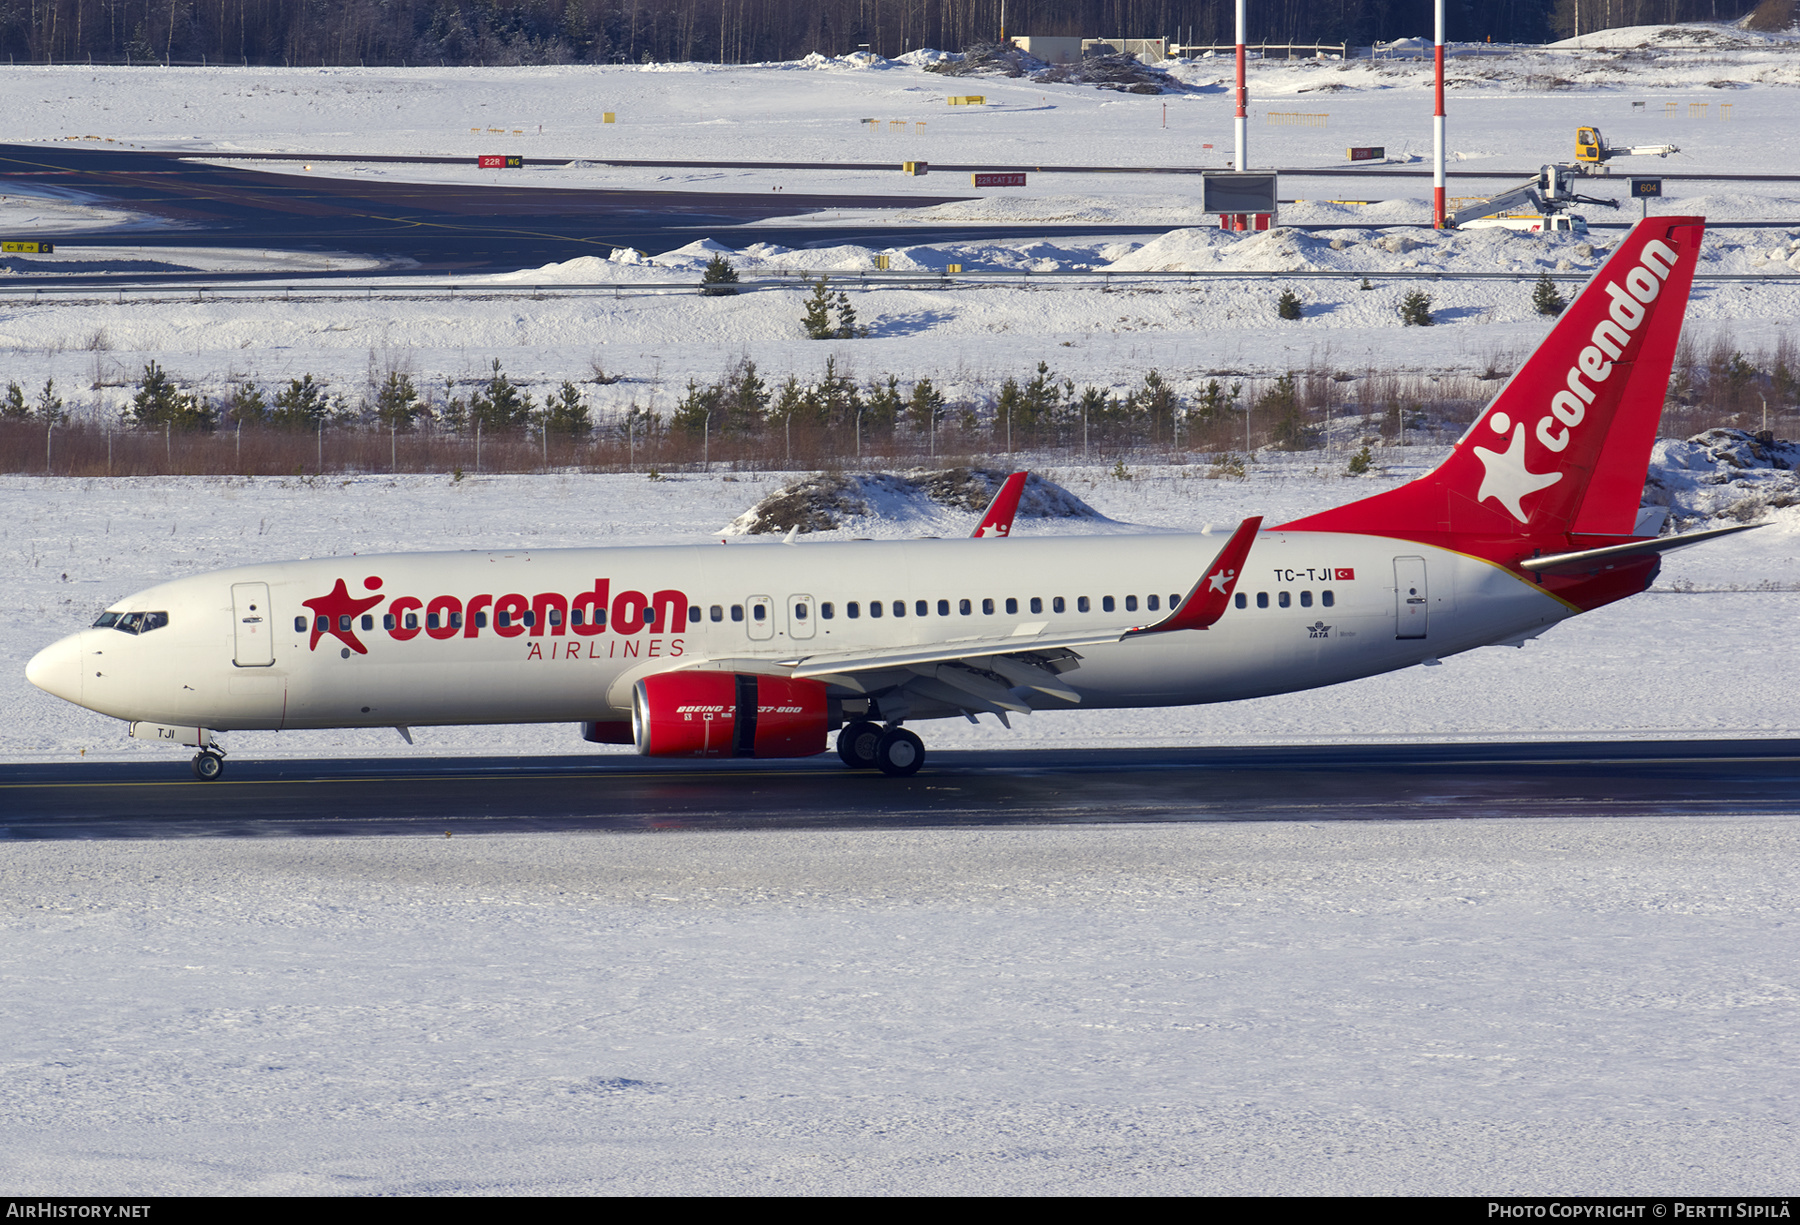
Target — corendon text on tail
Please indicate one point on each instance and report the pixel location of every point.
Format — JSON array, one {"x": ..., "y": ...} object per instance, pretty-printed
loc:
[{"x": 765, "y": 650}]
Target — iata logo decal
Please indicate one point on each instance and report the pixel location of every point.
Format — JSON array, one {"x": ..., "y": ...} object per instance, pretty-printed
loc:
[
  {"x": 1507, "y": 478},
  {"x": 1318, "y": 629}
]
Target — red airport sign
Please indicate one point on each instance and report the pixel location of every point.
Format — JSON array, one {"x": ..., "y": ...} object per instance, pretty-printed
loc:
[
  {"x": 1369, "y": 153},
  {"x": 1010, "y": 178},
  {"x": 500, "y": 161}
]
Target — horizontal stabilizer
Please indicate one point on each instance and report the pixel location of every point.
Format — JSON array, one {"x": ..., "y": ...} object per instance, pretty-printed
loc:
[{"x": 1612, "y": 555}]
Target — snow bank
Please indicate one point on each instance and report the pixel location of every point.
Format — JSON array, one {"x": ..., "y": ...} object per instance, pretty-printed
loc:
[
  {"x": 1722, "y": 474},
  {"x": 938, "y": 499},
  {"x": 1359, "y": 250}
]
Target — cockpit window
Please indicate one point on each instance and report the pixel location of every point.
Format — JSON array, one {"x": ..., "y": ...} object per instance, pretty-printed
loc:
[
  {"x": 107, "y": 620},
  {"x": 136, "y": 622}
]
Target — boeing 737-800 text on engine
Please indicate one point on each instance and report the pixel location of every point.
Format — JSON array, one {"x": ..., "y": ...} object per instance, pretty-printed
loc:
[{"x": 703, "y": 651}]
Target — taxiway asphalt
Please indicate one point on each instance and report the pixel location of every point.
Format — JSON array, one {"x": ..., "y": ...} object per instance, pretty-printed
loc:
[{"x": 495, "y": 226}]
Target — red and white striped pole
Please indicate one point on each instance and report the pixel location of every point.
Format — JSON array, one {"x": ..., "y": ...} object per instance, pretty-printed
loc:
[
  {"x": 1240, "y": 126},
  {"x": 1437, "y": 129}
]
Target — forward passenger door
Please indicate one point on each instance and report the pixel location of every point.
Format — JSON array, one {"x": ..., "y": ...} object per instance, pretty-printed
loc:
[{"x": 254, "y": 624}]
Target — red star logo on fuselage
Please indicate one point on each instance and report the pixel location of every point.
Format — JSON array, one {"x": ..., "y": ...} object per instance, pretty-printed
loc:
[{"x": 338, "y": 608}]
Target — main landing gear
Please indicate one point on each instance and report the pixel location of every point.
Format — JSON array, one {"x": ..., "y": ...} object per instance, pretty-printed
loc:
[
  {"x": 892, "y": 750},
  {"x": 209, "y": 764}
]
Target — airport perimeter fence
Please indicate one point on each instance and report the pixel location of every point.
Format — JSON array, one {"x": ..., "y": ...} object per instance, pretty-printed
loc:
[
  {"x": 748, "y": 420},
  {"x": 1394, "y": 412}
]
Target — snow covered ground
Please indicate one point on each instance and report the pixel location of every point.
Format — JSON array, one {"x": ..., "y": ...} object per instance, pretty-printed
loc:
[{"x": 1556, "y": 1007}]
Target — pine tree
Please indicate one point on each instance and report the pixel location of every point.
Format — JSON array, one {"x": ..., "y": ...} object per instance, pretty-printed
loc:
[
  {"x": 882, "y": 407},
  {"x": 1159, "y": 403},
  {"x": 1288, "y": 306},
  {"x": 397, "y": 401},
  {"x": 49, "y": 407},
  {"x": 923, "y": 405},
  {"x": 159, "y": 401},
  {"x": 301, "y": 405},
  {"x": 698, "y": 410},
  {"x": 746, "y": 399},
  {"x": 13, "y": 407},
  {"x": 566, "y": 413},
  {"x": 246, "y": 405},
  {"x": 836, "y": 399},
  {"x": 720, "y": 278},
  {"x": 1288, "y": 428},
  {"x": 500, "y": 405},
  {"x": 846, "y": 328},
  {"x": 1544, "y": 299},
  {"x": 817, "y": 320},
  {"x": 1415, "y": 309}
]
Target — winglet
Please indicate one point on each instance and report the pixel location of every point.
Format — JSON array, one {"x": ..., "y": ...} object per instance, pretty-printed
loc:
[
  {"x": 998, "y": 520},
  {"x": 1211, "y": 595}
]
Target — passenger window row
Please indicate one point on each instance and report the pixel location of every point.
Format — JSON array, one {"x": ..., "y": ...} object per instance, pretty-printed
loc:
[
  {"x": 855, "y": 609},
  {"x": 1284, "y": 599}
]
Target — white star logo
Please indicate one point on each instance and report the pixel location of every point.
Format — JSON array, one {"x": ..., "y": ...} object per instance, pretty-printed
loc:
[
  {"x": 1221, "y": 579},
  {"x": 1508, "y": 479}
]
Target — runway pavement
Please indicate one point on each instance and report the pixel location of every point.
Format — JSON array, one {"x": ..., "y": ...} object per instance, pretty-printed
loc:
[{"x": 434, "y": 796}]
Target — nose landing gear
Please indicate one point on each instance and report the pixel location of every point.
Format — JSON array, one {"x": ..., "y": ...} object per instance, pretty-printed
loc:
[{"x": 209, "y": 764}]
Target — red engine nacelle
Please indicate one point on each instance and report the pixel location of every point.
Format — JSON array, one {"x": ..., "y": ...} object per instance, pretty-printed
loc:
[{"x": 723, "y": 714}]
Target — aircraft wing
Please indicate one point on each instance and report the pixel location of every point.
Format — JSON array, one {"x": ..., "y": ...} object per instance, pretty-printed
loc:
[
  {"x": 980, "y": 673},
  {"x": 839, "y": 663}
]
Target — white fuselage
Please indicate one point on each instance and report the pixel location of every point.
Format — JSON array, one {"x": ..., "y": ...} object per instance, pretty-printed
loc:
[{"x": 242, "y": 648}]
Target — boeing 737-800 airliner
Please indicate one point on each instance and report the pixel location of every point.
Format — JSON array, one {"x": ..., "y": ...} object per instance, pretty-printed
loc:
[{"x": 753, "y": 651}]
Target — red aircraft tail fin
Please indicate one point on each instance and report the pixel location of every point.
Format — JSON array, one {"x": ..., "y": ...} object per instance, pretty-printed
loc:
[
  {"x": 998, "y": 520},
  {"x": 1564, "y": 447}
]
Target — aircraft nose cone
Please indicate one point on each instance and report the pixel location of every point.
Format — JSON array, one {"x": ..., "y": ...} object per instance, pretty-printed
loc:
[{"x": 57, "y": 669}]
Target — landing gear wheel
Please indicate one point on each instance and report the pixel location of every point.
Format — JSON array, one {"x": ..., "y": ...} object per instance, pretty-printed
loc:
[
  {"x": 899, "y": 753},
  {"x": 208, "y": 766},
  {"x": 856, "y": 744}
]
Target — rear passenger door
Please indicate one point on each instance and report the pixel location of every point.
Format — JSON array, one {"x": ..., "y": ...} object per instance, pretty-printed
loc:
[{"x": 1411, "y": 606}]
